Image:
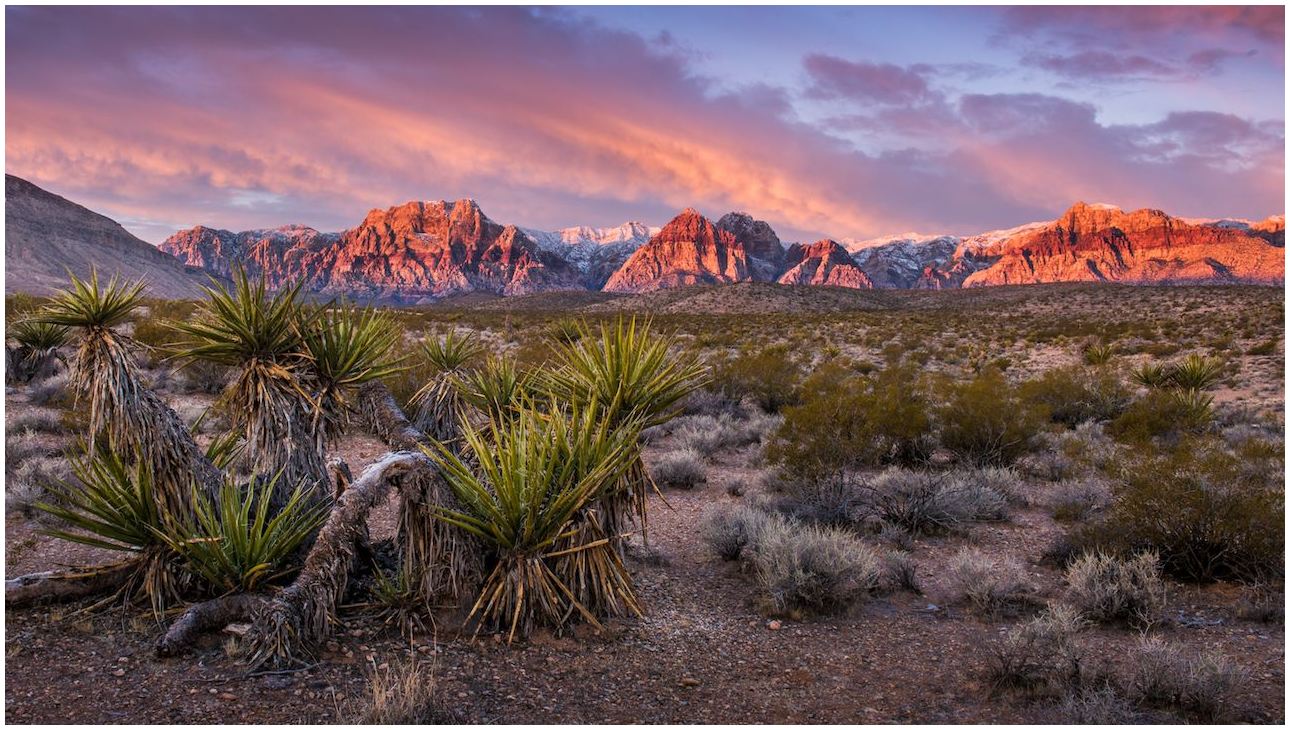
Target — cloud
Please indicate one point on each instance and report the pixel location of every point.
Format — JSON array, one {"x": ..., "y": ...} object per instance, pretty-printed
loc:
[
  {"x": 1120, "y": 24},
  {"x": 245, "y": 118},
  {"x": 882, "y": 83}
]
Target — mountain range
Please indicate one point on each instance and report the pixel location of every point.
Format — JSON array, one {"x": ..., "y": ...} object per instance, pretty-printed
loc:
[{"x": 424, "y": 251}]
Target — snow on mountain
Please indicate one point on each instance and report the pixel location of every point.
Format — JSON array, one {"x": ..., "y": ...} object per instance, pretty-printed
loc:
[{"x": 595, "y": 252}]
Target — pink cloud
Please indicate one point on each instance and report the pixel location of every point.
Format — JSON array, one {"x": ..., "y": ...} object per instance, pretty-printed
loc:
[{"x": 251, "y": 118}]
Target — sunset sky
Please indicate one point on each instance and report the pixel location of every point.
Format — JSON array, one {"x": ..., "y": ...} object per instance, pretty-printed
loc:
[{"x": 846, "y": 122}]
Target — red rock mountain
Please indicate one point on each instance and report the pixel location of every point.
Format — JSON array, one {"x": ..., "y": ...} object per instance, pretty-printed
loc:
[
  {"x": 407, "y": 253},
  {"x": 688, "y": 250},
  {"x": 1103, "y": 243},
  {"x": 823, "y": 263}
]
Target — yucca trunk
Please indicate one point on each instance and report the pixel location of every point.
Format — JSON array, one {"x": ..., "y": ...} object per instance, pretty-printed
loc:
[
  {"x": 444, "y": 560},
  {"x": 291, "y": 626},
  {"x": 134, "y": 419}
]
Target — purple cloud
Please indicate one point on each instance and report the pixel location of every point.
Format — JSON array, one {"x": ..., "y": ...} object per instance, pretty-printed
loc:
[{"x": 882, "y": 83}]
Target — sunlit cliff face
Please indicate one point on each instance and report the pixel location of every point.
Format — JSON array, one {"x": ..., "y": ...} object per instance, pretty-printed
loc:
[{"x": 962, "y": 121}]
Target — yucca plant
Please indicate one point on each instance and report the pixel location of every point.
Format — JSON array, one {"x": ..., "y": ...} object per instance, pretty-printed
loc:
[
  {"x": 497, "y": 390},
  {"x": 535, "y": 472},
  {"x": 261, "y": 335},
  {"x": 566, "y": 330},
  {"x": 438, "y": 402},
  {"x": 1195, "y": 409},
  {"x": 627, "y": 374},
  {"x": 345, "y": 348},
  {"x": 1196, "y": 372},
  {"x": 238, "y": 543},
  {"x": 397, "y": 600},
  {"x": 113, "y": 505},
  {"x": 104, "y": 372},
  {"x": 1151, "y": 375},
  {"x": 123, "y": 413},
  {"x": 38, "y": 344},
  {"x": 1098, "y": 353}
]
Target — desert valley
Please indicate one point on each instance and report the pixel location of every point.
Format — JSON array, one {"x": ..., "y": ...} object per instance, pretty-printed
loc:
[{"x": 930, "y": 448}]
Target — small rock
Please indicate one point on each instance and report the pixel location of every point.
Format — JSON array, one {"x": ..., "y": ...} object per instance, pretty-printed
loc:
[
  {"x": 118, "y": 673},
  {"x": 689, "y": 682},
  {"x": 775, "y": 624},
  {"x": 227, "y": 696}
]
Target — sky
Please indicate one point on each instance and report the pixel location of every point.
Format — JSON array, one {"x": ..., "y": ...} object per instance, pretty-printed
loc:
[{"x": 839, "y": 122}]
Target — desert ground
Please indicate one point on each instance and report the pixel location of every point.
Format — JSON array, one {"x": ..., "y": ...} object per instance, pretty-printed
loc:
[{"x": 830, "y": 541}]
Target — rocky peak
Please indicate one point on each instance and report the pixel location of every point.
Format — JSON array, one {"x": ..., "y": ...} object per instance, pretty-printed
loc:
[
  {"x": 757, "y": 237},
  {"x": 823, "y": 263},
  {"x": 688, "y": 250}
]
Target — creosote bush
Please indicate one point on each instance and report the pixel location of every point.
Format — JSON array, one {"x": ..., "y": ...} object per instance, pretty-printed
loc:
[
  {"x": 846, "y": 422},
  {"x": 1199, "y": 512},
  {"x": 986, "y": 421},
  {"x": 768, "y": 375},
  {"x": 1074, "y": 395}
]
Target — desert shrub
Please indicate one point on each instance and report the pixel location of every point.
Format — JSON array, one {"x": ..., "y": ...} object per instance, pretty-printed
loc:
[
  {"x": 1262, "y": 603},
  {"x": 803, "y": 567},
  {"x": 1163, "y": 414},
  {"x": 32, "y": 481},
  {"x": 990, "y": 586},
  {"x": 36, "y": 421},
  {"x": 52, "y": 392},
  {"x": 1200, "y": 685},
  {"x": 930, "y": 502},
  {"x": 681, "y": 469},
  {"x": 768, "y": 375},
  {"x": 18, "y": 447},
  {"x": 1041, "y": 655},
  {"x": 1106, "y": 588},
  {"x": 1267, "y": 347},
  {"x": 853, "y": 422},
  {"x": 730, "y": 531},
  {"x": 709, "y": 434},
  {"x": 1102, "y": 705},
  {"x": 202, "y": 376},
  {"x": 836, "y": 500},
  {"x": 1005, "y": 482},
  {"x": 985, "y": 421},
  {"x": 1194, "y": 507},
  {"x": 1051, "y": 465},
  {"x": 404, "y": 692},
  {"x": 900, "y": 572},
  {"x": 1074, "y": 395},
  {"x": 1076, "y": 499}
]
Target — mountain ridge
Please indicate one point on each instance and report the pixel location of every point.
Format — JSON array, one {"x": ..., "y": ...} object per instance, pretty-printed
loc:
[{"x": 423, "y": 251}]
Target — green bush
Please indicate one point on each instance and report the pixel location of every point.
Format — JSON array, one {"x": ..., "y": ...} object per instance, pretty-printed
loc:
[
  {"x": 1074, "y": 395},
  {"x": 987, "y": 422},
  {"x": 1200, "y": 512},
  {"x": 1163, "y": 414},
  {"x": 768, "y": 375},
  {"x": 845, "y": 423}
]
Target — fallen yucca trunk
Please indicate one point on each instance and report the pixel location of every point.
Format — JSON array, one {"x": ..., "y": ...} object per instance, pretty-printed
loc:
[
  {"x": 531, "y": 475},
  {"x": 288, "y": 628}
]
